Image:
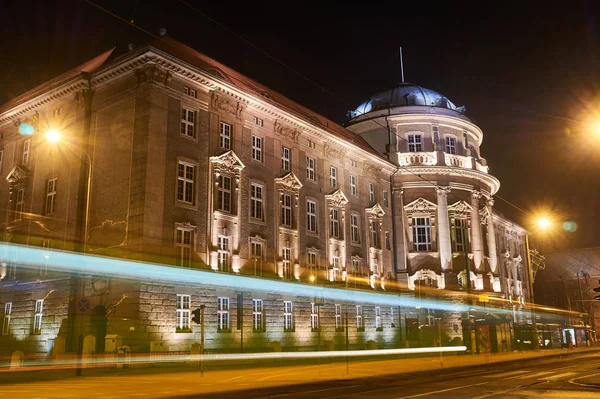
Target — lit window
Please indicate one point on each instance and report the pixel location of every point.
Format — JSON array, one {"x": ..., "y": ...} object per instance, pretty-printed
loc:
[
  {"x": 354, "y": 228},
  {"x": 377, "y": 317},
  {"x": 333, "y": 177},
  {"x": 223, "y": 253},
  {"x": 184, "y": 244},
  {"x": 225, "y": 136},
  {"x": 352, "y": 185},
  {"x": 286, "y": 210},
  {"x": 37, "y": 318},
  {"x": 460, "y": 235},
  {"x": 26, "y": 145},
  {"x": 334, "y": 223},
  {"x": 451, "y": 145},
  {"x": 387, "y": 241},
  {"x": 338, "y": 317},
  {"x": 422, "y": 234},
  {"x": 374, "y": 233},
  {"x": 257, "y": 121},
  {"x": 188, "y": 120},
  {"x": 185, "y": 182},
  {"x": 356, "y": 266},
  {"x": 287, "y": 263},
  {"x": 372, "y": 193},
  {"x": 256, "y": 256},
  {"x": 222, "y": 314},
  {"x": 186, "y": 90},
  {"x": 311, "y": 216},
  {"x": 183, "y": 312},
  {"x": 50, "y": 196},
  {"x": 6, "y": 319},
  {"x": 359, "y": 318},
  {"x": 257, "y": 148},
  {"x": 286, "y": 156},
  {"x": 312, "y": 262},
  {"x": 256, "y": 201},
  {"x": 414, "y": 143},
  {"x": 385, "y": 198},
  {"x": 20, "y": 204},
  {"x": 314, "y": 317},
  {"x": 288, "y": 316},
  {"x": 257, "y": 315},
  {"x": 310, "y": 168},
  {"x": 224, "y": 194}
]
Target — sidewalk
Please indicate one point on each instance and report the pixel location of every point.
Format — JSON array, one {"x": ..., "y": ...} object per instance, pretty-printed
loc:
[{"x": 184, "y": 381}]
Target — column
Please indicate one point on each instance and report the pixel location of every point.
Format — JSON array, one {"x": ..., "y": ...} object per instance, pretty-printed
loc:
[
  {"x": 476, "y": 230},
  {"x": 491, "y": 237},
  {"x": 443, "y": 224}
]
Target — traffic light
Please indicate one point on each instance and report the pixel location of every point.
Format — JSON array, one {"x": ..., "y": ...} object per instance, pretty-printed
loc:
[
  {"x": 597, "y": 289},
  {"x": 196, "y": 316}
]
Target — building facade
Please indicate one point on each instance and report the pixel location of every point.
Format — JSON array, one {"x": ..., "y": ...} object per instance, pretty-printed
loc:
[{"x": 168, "y": 156}]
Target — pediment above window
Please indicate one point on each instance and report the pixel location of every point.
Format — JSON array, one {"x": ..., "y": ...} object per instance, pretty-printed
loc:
[
  {"x": 375, "y": 212},
  {"x": 337, "y": 198},
  {"x": 420, "y": 205},
  {"x": 460, "y": 208},
  {"x": 289, "y": 182},
  {"x": 227, "y": 163},
  {"x": 18, "y": 174},
  {"x": 257, "y": 238}
]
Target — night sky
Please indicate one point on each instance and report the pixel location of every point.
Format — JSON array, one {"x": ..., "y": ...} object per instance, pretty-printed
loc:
[{"x": 529, "y": 72}]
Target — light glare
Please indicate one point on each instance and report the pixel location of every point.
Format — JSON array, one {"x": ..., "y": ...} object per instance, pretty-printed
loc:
[{"x": 53, "y": 135}]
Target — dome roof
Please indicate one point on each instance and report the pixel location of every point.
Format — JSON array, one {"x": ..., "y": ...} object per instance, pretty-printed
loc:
[{"x": 403, "y": 95}]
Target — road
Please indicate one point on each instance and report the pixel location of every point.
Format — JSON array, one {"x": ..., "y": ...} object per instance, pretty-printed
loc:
[{"x": 570, "y": 375}]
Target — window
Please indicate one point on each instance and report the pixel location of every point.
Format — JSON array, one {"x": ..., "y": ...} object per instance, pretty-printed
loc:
[
  {"x": 451, "y": 145},
  {"x": 286, "y": 156},
  {"x": 354, "y": 228},
  {"x": 256, "y": 256},
  {"x": 312, "y": 262},
  {"x": 359, "y": 318},
  {"x": 311, "y": 216},
  {"x": 256, "y": 201},
  {"x": 188, "y": 118},
  {"x": 377, "y": 317},
  {"x": 6, "y": 320},
  {"x": 371, "y": 193},
  {"x": 374, "y": 233},
  {"x": 57, "y": 111},
  {"x": 20, "y": 204},
  {"x": 224, "y": 194},
  {"x": 184, "y": 245},
  {"x": 335, "y": 270},
  {"x": 338, "y": 317},
  {"x": 414, "y": 143},
  {"x": 37, "y": 318},
  {"x": 183, "y": 313},
  {"x": 26, "y": 145},
  {"x": 460, "y": 235},
  {"x": 189, "y": 92},
  {"x": 222, "y": 314},
  {"x": 257, "y": 315},
  {"x": 332, "y": 176},
  {"x": 286, "y": 210},
  {"x": 225, "y": 135},
  {"x": 422, "y": 234},
  {"x": 50, "y": 196},
  {"x": 387, "y": 241},
  {"x": 288, "y": 316},
  {"x": 257, "y": 148},
  {"x": 287, "y": 263},
  {"x": 355, "y": 266},
  {"x": 1, "y": 159},
  {"x": 385, "y": 198},
  {"x": 334, "y": 223},
  {"x": 311, "y": 144},
  {"x": 314, "y": 317},
  {"x": 310, "y": 169},
  {"x": 223, "y": 255},
  {"x": 185, "y": 182},
  {"x": 257, "y": 121},
  {"x": 352, "y": 185}
]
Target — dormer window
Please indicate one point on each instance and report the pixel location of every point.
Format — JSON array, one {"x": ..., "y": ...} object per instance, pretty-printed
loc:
[
  {"x": 451, "y": 145},
  {"x": 415, "y": 143}
]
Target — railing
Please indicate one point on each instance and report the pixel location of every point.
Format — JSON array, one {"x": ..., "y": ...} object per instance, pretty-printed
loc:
[
  {"x": 417, "y": 158},
  {"x": 430, "y": 159}
]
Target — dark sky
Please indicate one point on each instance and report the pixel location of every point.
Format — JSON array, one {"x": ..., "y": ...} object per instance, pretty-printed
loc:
[{"x": 527, "y": 71}]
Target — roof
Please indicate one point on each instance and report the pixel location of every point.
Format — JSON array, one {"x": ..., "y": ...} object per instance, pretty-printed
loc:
[
  {"x": 403, "y": 95},
  {"x": 87, "y": 67},
  {"x": 202, "y": 61}
]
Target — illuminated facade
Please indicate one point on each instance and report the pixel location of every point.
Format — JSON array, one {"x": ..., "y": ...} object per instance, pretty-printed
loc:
[{"x": 194, "y": 165}]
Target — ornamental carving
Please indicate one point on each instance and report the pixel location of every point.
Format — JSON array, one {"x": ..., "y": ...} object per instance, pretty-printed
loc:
[
  {"x": 33, "y": 120},
  {"x": 17, "y": 175},
  {"x": 289, "y": 182},
  {"x": 476, "y": 195},
  {"x": 442, "y": 191},
  {"x": 420, "y": 205},
  {"x": 227, "y": 163},
  {"x": 371, "y": 169},
  {"x": 376, "y": 212},
  {"x": 292, "y": 134},
  {"x": 226, "y": 105},
  {"x": 331, "y": 152},
  {"x": 460, "y": 208},
  {"x": 152, "y": 73},
  {"x": 336, "y": 199}
]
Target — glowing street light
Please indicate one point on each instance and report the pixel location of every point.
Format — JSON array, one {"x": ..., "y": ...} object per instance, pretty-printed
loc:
[
  {"x": 53, "y": 135},
  {"x": 543, "y": 223}
]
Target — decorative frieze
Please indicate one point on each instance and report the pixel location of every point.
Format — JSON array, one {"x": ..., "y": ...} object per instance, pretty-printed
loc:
[
  {"x": 285, "y": 131},
  {"x": 331, "y": 152},
  {"x": 152, "y": 73},
  {"x": 225, "y": 105}
]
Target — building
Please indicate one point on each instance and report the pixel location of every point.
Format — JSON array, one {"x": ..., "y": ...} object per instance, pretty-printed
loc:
[{"x": 170, "y": 157}]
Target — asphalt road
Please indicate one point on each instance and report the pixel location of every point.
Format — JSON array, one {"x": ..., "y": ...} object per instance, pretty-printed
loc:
[{"x": 574, "y": 376}]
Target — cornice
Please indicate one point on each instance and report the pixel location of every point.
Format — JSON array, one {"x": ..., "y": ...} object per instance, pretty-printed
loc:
[{"x": 485, "y": 178}]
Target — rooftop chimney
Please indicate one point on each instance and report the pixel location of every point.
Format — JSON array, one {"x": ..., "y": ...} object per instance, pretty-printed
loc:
[{"x": 162, "y": 32}]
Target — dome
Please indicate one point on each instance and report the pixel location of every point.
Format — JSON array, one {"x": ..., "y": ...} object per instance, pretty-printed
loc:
[{"x": 403, "y": 95}]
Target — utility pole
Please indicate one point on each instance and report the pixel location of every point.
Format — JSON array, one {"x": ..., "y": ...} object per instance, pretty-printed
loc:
[
  {"x": 587, "y": 337},
  {"x": 347, "y": 345},
  {"x": 536, "y": 338},
  {"x": 469, "y": 301},
  {"x": 202, "y": 307}
]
